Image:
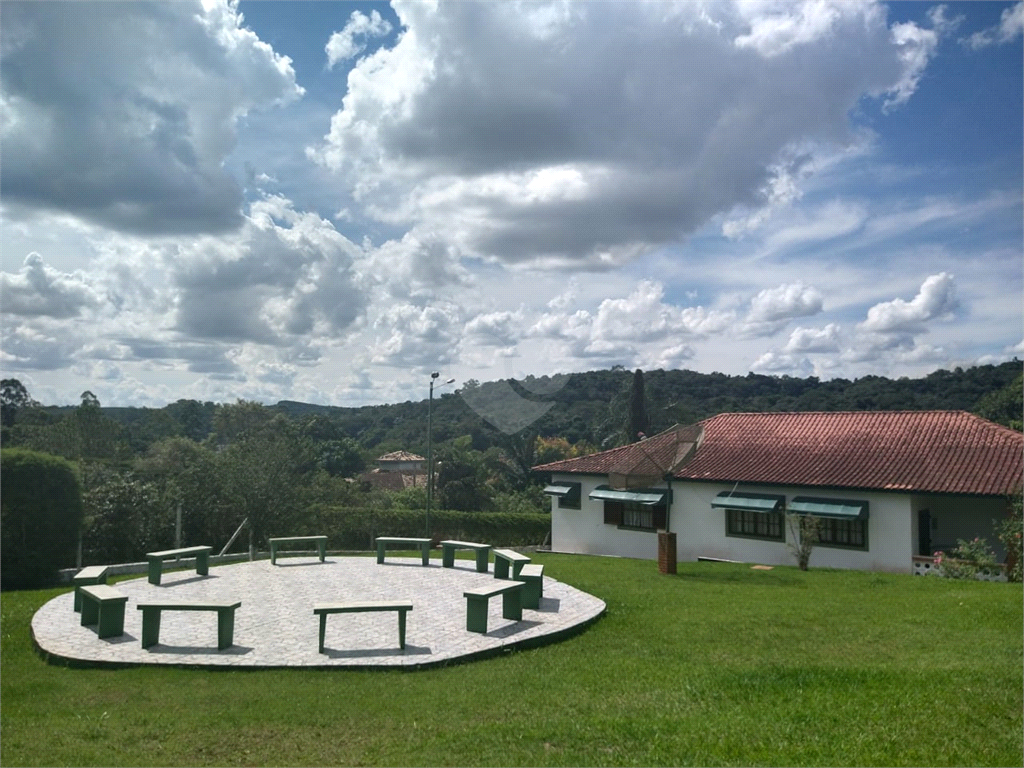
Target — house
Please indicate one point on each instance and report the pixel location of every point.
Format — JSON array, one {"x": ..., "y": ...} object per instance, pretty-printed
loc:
[
  {"x": 396, "y": 471},
  {"x": 890, "y": 488},
  {"x": 400, "y": 461}
]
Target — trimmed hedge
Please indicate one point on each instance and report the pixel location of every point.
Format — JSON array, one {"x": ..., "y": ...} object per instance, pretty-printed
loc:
[
  {"x": 40, "y": 517},
  {"x": 356, "y": 527}
]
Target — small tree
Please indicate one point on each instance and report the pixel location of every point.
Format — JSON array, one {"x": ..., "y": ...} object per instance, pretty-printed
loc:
[{"x": 804, "y": 534}]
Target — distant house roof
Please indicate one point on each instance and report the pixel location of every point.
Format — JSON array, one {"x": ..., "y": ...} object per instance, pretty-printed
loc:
[
  {"x": 400, "y": 456},
  {"x": 913, "y": 451},
  {"x": 394, "y": 481}
]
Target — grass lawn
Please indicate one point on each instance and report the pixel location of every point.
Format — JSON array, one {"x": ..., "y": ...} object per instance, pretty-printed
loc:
[{"x": 718, "y": 665}]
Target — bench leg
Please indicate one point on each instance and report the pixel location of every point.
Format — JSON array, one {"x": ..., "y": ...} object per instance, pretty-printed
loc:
[
  {"x": 516, "y": 569},
  {"x": 401, "y": 629},
  {"x": 426, "y": 553},
  {"x": 380, "y": 552},
  {"x": 476, "y": 614},
  {"x": 90, "y": 611},
  {"x": 111, "y": 620},
  {"x": 512, "y": 605},
  {"x": 225, "y": 628},
  {"x": 481, "y": 561},
  {"x": 447, "y": 557},
  {"x": 500, "y": 568},
  {"x": 203, "y": 564},
  {"x": 531, "y": 593},
  {"x": 150, "y": 627},
  {"x": 78, "y": 600},
  {"x": 273, "y": 553},
  {"x": 155, "y": 567},
  {"x": 322, "y": 549},
  {"x": 323, "y": 630}
]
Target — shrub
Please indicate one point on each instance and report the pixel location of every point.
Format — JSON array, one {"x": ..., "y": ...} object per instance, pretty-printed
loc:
[
  {"x": 1010, "y": 531},
  {"x": 40, "y": 517},
  {"x": 356, "y": 527},
  {"x": 966, "y": 560}
]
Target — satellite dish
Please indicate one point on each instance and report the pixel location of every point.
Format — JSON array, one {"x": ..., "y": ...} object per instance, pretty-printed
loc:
[{"x": 657, "y": 459}]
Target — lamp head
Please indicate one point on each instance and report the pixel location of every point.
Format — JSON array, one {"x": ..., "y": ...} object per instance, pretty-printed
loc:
[{"x": 434, "y": 375}]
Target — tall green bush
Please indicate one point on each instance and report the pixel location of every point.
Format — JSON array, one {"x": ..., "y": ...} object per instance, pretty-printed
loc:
[{"x": 40, "y": 517}]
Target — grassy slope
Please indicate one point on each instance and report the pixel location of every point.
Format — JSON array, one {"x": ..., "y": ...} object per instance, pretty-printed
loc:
[{"x": 718, "y": 665}]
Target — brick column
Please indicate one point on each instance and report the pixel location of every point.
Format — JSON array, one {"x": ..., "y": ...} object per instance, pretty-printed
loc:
[{"x": 666, "y": 552}]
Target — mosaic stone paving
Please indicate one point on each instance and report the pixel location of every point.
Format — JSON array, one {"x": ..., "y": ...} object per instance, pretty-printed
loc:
[{"x": 275, "y": 625}]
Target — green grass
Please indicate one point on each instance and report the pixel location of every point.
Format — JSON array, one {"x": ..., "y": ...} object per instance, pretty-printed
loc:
[{"x": 718, "y": 665}]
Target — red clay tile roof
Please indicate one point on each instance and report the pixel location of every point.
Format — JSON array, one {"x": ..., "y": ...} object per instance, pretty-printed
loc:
[{"x": 919, "y": 451}]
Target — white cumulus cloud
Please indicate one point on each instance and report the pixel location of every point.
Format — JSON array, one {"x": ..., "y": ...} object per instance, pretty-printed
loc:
[{"x": 350, "y": 41}]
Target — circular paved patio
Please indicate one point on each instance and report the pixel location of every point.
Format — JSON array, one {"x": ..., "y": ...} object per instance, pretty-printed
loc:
[{"x": 275, "y": 625}]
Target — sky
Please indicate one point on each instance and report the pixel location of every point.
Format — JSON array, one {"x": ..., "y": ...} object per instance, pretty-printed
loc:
[{"x": 326, "y": 202}]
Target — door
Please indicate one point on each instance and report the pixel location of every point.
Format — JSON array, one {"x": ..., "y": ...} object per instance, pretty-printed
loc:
[{"x": 924, "y": 533}]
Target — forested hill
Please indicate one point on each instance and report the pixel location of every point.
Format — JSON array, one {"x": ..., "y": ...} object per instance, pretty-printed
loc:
[{"x": 591, "y": 406}]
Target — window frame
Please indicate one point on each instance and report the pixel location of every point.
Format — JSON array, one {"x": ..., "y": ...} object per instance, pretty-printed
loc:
[
  {"x": 779, "y": 521},
  {"x": 836, "y": 522},
  {"x": 615, "y": 514}
]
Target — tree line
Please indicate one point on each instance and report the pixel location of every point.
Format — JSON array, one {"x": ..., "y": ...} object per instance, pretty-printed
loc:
[{"x": 192, "y": 471}]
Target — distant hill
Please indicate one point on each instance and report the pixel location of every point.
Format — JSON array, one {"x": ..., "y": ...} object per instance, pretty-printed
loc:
[{"x": 591, "y": 406}]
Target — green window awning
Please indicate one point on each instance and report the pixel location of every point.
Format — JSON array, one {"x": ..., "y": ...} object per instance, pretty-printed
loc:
[
  {"x": 649, "y": 496},
  {"x": 567, "y": 493},
  {"x": 751, "y": 502},
  {"x": 843, "y": 509}
]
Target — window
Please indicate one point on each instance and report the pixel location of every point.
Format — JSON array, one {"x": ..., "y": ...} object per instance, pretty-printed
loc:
[
  {"x": 841, "y": 522},
  {"x": 833, "y": 532},
  {"x": 631, "y": 514},
  {"x": 754, "y": 525},
  {"x": 568, "y": 494}
]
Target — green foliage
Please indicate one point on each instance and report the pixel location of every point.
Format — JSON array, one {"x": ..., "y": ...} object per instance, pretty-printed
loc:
[
  {"x": 355, "y": 528},
  {"x": 1004, "y": 406},
  {"x": 1011, "y": 533},
  {"x": 637, "y": 424},
  {"x": 41, "y": 503},
  {"x": 263, "y": 474},
  {"x": 967, "y": 559},
  {"x": 13, "y": 398},
  {"x": 125, "y": 519},
  {"x": 461, "y": 477}
]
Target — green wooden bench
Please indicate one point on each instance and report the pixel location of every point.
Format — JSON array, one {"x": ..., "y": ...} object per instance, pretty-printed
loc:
[
  {"x": 320, "y": 541},
  {"x": 532, "y": 576},
  {"x": 94, "y": 574},
  {"x": 402, "y": 607},
  {"x": 156, "y": 560},
  {"x": 478, "y": 598},
  {"x": 448, "y": 553},
  {"x": 103, "y": 606},
  {"x": 503, "y": 558},
  {"x": 423, "y": 545},
  {"x": 225, "y": 619}
]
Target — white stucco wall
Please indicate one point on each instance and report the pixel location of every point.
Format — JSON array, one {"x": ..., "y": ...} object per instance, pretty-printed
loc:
[
  {"x": 700, "y": 529},
  {"x": 583, "y": 531}
]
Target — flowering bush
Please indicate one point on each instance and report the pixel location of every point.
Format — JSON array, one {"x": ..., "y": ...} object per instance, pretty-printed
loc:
[
  {"x": 966, "y": 559},
  {"x": 1010, "y": 531}
]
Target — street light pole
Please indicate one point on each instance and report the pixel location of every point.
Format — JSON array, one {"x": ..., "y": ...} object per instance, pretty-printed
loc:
[{"x": 430, "y": 434}]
